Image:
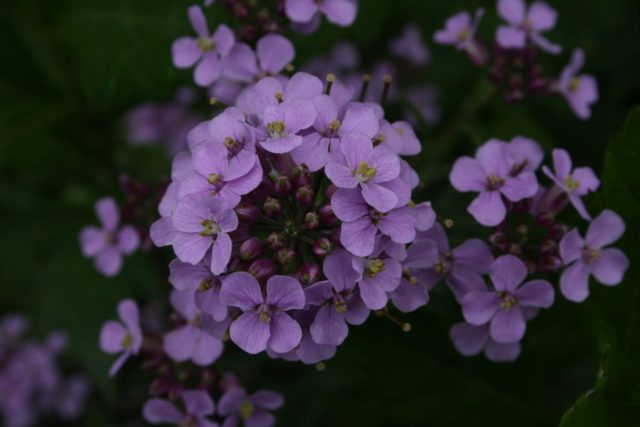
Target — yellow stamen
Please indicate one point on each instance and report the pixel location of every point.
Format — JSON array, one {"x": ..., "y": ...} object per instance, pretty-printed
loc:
[{"x": 364, "y": 173}]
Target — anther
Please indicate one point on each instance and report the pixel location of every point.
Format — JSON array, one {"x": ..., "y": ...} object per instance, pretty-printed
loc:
[
  {"x": 385, "y": 90},
  {"x": 330, "y": 79},
  {"x": 365, "y": 85}
]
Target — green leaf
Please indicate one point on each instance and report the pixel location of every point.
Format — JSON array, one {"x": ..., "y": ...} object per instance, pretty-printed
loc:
[{"x": 615, "y": 398}]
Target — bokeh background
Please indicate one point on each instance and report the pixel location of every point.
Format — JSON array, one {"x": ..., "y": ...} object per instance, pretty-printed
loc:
[{"x": 72, "y": 68}]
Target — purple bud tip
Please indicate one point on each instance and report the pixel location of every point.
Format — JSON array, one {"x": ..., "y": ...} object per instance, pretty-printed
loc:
[
  {"x": 305, "y": 195},
  {"x": 251, "y": 248},
  {"x": 275, "y": 240},
  {"x": 309, "y": 273},
  {"x": 248, "y": 213},
  {"x": 327, "y": 217},
  {"x": 311, "y": 220},
  {"x": 282, "y": 185},
  {"x": 272, "y": 207},
  {"x": 285, "y": 256},
  {"x": 322, "y": 246},
  {"x": 262, "y": 268},
  {"x": 300, "y": 176}
]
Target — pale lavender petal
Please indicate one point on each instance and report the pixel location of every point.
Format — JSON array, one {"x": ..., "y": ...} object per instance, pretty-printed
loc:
[
  {"x": 399, "y": 225},
  {"x": 180, "y": 343},
  {"x": 112, "y": 335},
  {"x": 128, "y": 239},
  {"x": 338, "y": 268},
  {"x": 208, "y": 69},
  {"x": 469, "y": 339},
  {"x": 508, "y": 326},
  {"x": 207, "y": 350},
  {"x": 571, "y": 246},
  {"x": 536, "y": 293},
  {"x": 468, "y": 175},
  {"x": 185, "y": 52},
  {"x": 187, "y": 277},
  {"x": 267, "y": 399},
  {"x": 285, "y": 293},
  {"x": 562, "y": 164},
  {"x": 198, "y": 403},
  {"x": 502, "y": 352},
  {"x": 512, "y": 11},
  {"x": 520, "y": 187},
  {"x": 408, "y": 297},
  {"x": 360, "y": 119},
  {"x": 587, "y": 179},
  {"x": 488, "y": 208},
  {"x": 340, "y": 175},
  {"x": 198, "y": 20},
  {"x": 379, "y": 197},
  {"x": 158, "y": 411},
  {"x": 224, "y": 40},
  {"x": 541, "y": 16},
  {"x": 191, "y": 247},
  {"x": 162, "y": 232},
  {"x": 220, "y": 253},
  {"x": 260, "y": 419},
  {"x": 92, "y": 240},
  {"x": 300, "y": 10},
  {"x": 282, "y": 145},
  {"x": 473, "y": 255},
  {"x": 108, "y": 213},
  {"x": 230, "y": 400},
  {"x": 250, "y": 333},
  {"x": 241, "y": 64},
  {"x": 119, "y": 363},
  {"x": 358, "y": 236},
  {"x": 313, "y": 152},
  {"x": 493, "y": 157},
  {"x": 544, "y": 44},
  {"x": 479, "y": 307},
  {"x": 109, "y": 261},
  {"x": 274, "y": 53},
  {"x": 574, "y": 282},
  {"x": 285, "y": 332},
  {"x": 507, "y": 272},
  {"x": 340, "y": 12},
  {"x": 605, "y": 229},
  {"x": 329, "y": 327},
  {"x": 241, "y": 290},
  {"x": 348, "y": 205},
  {"x": 319, "y": 293},
  {"x": 511, "y": 37},
  {"x": 303, "y": 86},
  {"x": 610, "y": 266}
]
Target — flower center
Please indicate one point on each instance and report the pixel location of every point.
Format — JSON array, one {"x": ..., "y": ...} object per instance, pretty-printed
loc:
[
  {"x": 206, "y": 44},
  {"x": 276, "y": 129},
  {"x": 507, "y": 301},
  {"x": 494, "y": 182},
  {"x": 279, "y": 97},
  {"x": 209, "y": 228},
  {"x": 205, "y": 285},
  {"x": 341, "y": 305},
  {"x": 364, "y": 173},
  {"x": 127, "y": 341},
  {"x": 264, "y": 316},
  {"x": 214, "y": 178},
  {"x": 408, "y": 276},
  {"x": 374, "y": 267},
  {"x": 463, "y": 34},
  {"x": 189, "y": 421},
  {"x": 571, "y": 183},
  {"x": 245, "y": 409},
  {"x": 443, "y": 265},
  {"x": 574, "y": 84},
  {"x": 590, "y": 255},
  {"x": 333, "y": 127}
]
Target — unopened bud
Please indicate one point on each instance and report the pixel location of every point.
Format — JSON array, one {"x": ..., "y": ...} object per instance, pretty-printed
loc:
[
  {"x": 300, "y": 176},
  {"x": 285, "y": 256},
  {"x": 311, "y": 220},
  {"x": 248, "y": 213},
  {"x": 546, "y": 219},
  {"x": 282, "y": 185},
  {"x": 326, "y": 215},
  {"x": 262, "y": 268},
  {"x": 548, "y": 246},
  {"x": 557, "y": 232},
  {"x": 305, "y": 195},
  {"x": 309, "y": 273},
  {"x": 499, "y": 240},
  {"x": 272, "y": 207},
  {"x": 275, "y": 240},
  {"x": 251, "y": 248},
  {"x": 322, "y": 246},
  {"x": 550, "y": 263}
]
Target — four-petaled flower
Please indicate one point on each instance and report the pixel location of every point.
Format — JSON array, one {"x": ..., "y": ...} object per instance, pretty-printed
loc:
[
  {"x": 124, "y": 337},
  {"x": 198, "y": 406},
  {"x": 580, "y": 90},
  {"x": 526, "y": 24},
  {"x": 236, "y": 404}
]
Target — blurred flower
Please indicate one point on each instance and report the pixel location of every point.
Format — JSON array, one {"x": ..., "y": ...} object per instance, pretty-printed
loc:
[
  {"x": 470, "y": 340},
  {"x": 581, "y": 91},
  {"x": 409, "y": 46},
  {"x": 198, "y": 405},
  {"x": 236, "y": 405},
  {"x": 460, "y": 31},
  {"x": 124, "y": 336},
  {"x": 526, "y": 24},
  {"x": 339, "y": 12}
]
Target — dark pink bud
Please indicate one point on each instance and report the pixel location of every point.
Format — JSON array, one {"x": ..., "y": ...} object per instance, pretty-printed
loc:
[
  {"x": 275, "y": 240},
  {"x": 272, "y": 207},
  {"x": 248, "y": 213},
  {"x": 322, "y": 246},
  {"x": 550, "y": 263},
  {"x": 546, "y": 219},
  {"x": 548, "y": 246},
  {"x": 557, "y": 232},
  {"x": 282, "y": 185},
  {"x": 309, "y": 273},
  {"x": 311, "y": 220},
  {"x": 285, "y": 256},
  {"x": 327, "y": 217},
  {"x": 499, "y": 240},
  {"x": 305, "y": 195},
  {"x": 251, "y": 248},
  {"x": 262, "y": 268},
  {"x": 300, "y": 176},
  {"x": 328, "y": 192}
]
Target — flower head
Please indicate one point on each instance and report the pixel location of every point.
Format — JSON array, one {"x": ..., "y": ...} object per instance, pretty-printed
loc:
[
  {"x": 581, "y": 91},
  {"x": 124, "y": 336},
  {"x": 206, "y": 50},
  {"x": 108, "y": 243},
  {"x": 526, "y": 24},
  {"x": 339, "y": 12},
  {"x": 198, "y": 405},
  {"x": 409, "y": 46},
  {"x": 236, "y": 404},
  {"x": 470, "y": 340},
  {"x": 460, "y": 31},
  {"x": 503, "y": 305},
  {"x": 591, "y": 256}
]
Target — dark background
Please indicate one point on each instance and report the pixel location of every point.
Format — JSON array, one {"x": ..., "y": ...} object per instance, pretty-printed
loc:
[{"x": 71, "y": 68}]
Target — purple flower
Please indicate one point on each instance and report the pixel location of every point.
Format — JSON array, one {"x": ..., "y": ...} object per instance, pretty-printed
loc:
[
  {"x": 216, "y": 176},
  {"x": 368, "y": 168},
  {"x": 190, "y": 341},
  {"x": 460, "y": 31},
  {"x": 203, "y": 223},
  {"x": 198, "y": 406},
  {"x": 378, "y": 275},
  {"x": 283, "y": 122},
  {"x": 338, "y": 300},
  {"x": 526, "y": 24},
  {"x": 409, "y": 46},
  {"x": 575, "y": 183},
  {"x": 580, "y": 90},
  {"x": 236, "y": 404},
  {"x": 109, "y": 243},
  {"x": 273, "y": 53},
  {"x": 489, "y": 174},
  {"x": 590, "y": 256},
  {"x": 207, "y": 50},
  {"x": 413, "y": 291},
  {"x": 329, "y": 129},
  {"x": 425, "y": 102},
  {"x": 124, "y": 337},
  {"x": 361, "y": 223},
  {"x": 503, "y": 306},
  {"x": 271, "y": 91},
  {"x": 264, "y": 321},
  {"x": 470, "y": 340},
  {"x": 199, "y": 279},
  {"x": 339, "y": 12}
]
